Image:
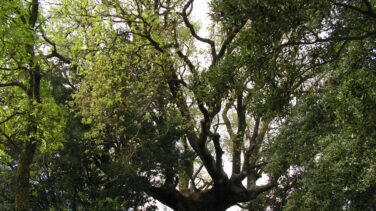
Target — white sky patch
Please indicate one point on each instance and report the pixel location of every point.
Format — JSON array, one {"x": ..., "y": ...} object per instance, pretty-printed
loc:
[{"x": 200, "y": 14}]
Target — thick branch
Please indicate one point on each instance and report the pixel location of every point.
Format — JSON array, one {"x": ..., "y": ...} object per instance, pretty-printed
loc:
[
  {"x": 187, "y": 61},
  {"x": 238, "y": 140},
  {"x": 227, "y": 41},
  {"x": 339, "y": 38},
  {"x": 34, "y": 13},
  {"x": 201, "y": 150},
  {"x": 193, "y": 31},
  {"x": 256, "y": 190},
  {"x": 218, "y": 150},
  {"x": 252, "y": 143},
  {"x": 241, "y": 114},
  {"x": 205, "y": 124},
  {"x": 168, "y": 196},
  {"x": 226, "y": 120}
]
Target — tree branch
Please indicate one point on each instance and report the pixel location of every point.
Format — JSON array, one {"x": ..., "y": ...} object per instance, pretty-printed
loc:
[
  {"x": 194, "y": 141},
  {"x": 340, "y": 38},
  {"x": 256, "y": 190},
  {"x": 249, "y": 164},
  {"x": 14, "y": 83},
  {"x": 238, "y": 139},
  {"x": 252, "y": 142},
  {"x": 10, "y": 139},
  {"x": 197, "y": 172},
  {"x": 10, "y": 117},
  {"x": 193, "y": 31},
  {"x": 226, "y": 119},
  {"x": 227, "y": 42},
  {"x": 184, "y": 57},
  {"x": 12, "y": 69},
  {"x": 34, "y": 13},
  {"x": 369, "y": 12},
  {"x": 168, "y": 196},
  {"x": 218, "y": 150},
  {"x": 54, "y": 52}
]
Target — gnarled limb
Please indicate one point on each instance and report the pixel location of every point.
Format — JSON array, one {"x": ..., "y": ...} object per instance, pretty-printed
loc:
[
  {"x": 193, "y": 31},
  {"x": 230, "y": 37}
]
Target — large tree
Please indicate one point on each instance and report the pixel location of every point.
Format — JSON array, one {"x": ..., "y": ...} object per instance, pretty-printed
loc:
[
  {"x": 278, "y": 89},
  {"x": 165, "y": 121}
]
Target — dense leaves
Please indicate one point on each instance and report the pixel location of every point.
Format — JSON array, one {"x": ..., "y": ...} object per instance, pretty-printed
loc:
[
  {"x": 334, "y": 149},
  {"x": 108, "y": 105}
]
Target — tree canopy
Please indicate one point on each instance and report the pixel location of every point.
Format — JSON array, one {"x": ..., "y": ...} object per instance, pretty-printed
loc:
[{"x": 112, "y": 105}]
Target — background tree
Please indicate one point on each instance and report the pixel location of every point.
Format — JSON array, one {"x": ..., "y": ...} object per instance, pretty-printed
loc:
[
  {"x": 31, "y": 121},
  {"x": 336, "y": 124}
]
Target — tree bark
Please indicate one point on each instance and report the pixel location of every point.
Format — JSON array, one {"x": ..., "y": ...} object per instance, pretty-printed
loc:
[
  {"x": 23, "y": 175},
  {"x": 217, "y": 198},
  {"x": 22, "y": 191}
]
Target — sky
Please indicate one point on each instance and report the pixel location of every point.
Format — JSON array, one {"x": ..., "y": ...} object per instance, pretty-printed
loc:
[{"x": 200, "y": 14}]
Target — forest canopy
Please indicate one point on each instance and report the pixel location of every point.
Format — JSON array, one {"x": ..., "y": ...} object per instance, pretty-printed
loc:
[{"x": 117, "y": 104}]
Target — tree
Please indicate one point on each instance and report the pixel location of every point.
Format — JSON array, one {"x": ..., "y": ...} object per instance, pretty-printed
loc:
[
  {"x": 31, "y": 121},
  {"x": 336, "y": 133},
  {"x": 279, "y": 95},
  {"x": 162, "y": 118}
]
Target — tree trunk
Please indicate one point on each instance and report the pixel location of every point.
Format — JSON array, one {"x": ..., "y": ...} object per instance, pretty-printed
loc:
[
  {"x": 210, "y": 201},
  {"x": 22, "y": 192},
  {"x": 218, "y": 198}
]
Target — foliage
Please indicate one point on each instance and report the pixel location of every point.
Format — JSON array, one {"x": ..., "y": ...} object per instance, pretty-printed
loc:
[
  {"x": 107, "y": 105},
  {"x": 334, "y": 149}
]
